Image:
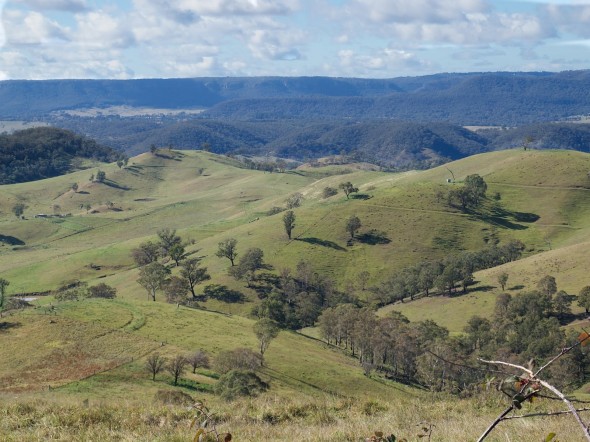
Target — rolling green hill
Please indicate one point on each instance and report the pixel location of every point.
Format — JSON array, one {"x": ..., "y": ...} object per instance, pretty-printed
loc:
[{"x": 538, "y": 197}]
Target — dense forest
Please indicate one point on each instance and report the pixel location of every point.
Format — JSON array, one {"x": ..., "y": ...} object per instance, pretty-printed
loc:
[{"x": 44, "y": 152}]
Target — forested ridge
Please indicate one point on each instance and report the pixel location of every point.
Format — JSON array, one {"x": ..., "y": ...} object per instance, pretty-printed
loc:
[
  {"x": 493, "y": 98},
  {"x": 45, "y": 152}
]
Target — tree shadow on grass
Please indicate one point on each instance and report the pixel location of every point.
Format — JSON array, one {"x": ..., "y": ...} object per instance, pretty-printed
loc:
[
  {"x": 224, "y": 294},
  {"x": 481, "y": 288},
  {"x": 373, "y": 237},
  {"x": 500, "y": 217},
  {"x": 115, "y": 185},
  {"x": 5, "y": 326},
  {"x": 11, "y": 240},
  {"x": 360, "y": 196},
  {"x": 322, "y": 242}
]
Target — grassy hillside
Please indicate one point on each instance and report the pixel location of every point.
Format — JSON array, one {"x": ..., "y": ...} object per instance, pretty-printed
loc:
[{"x": 543, "y": 201}]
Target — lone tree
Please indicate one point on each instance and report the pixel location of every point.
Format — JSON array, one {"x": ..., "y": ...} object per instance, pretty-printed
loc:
[
  {"x": 152, "y": 278},
  {"x": 175, "y": 290},
  {"x": 352, "y": 225},
  {"x": 228, "y": 249},
  {"x": 3, "y": 284},
  {"x": 503, "y": 279},
  {"x": 18, "y": 209},
  {"x": 477, "y": 188},
  {"x": 193, "y": 274},
  {"x": 101, "y": 176},
  {"x": 584, "y": 299},
  {"x": 75, "y": 187},
  {"x": 348, "y": 188},
  {"x": 289, "y": 222},
  {"x": 176, "y": 367},
  {"x": 154, "y": 364},
  {"x": 266, "y": 330}
]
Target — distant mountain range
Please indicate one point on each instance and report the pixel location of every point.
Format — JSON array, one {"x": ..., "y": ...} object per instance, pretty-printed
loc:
[
  {"x": 464, "y": 99},
  {"x": 409, "y": 122}
]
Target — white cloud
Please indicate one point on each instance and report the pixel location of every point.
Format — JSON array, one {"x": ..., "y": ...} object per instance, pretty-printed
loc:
[
  {"x": 31, "y": 28},
  {"x": 384, "y": 62},
  {"x": 56, "y": 5},
  {"x": 2, "y": 31},
  {"x": 99, "y": 30}
]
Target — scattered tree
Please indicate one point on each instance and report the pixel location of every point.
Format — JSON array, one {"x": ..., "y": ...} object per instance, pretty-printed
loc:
[
  {"x": 146, "y": 253},
  {"x": 547, "y": 285},
  {"x": 502, "y": 280},
  {"x": 348, "y": 188},
  {"x": 228, "y": 249},
  {"x": 102, "y": 290},
  {"x": 176, "y": 367},
  {"x": 237, "y": 359},
  {"x": 352, "y": 225},
  {"x": 251, "y": 261},
  {"x": 289, "y": 222},
  {"x": 198, "y": 359},
  {"x": 193, "y": 274},
  {"x": 168, "y": 239},
  {"x": 18, "y": 209},
  {"x": 584, "y": 299},
  {"x": 154, "y": 364},
  {"x": 175, "y": 290},
  {"x": 75, "y": 187},
  {"x": 101, "y": 176},
  {"x": 152, "y": 278},
  {"x": 176, "y": 252},
  {"x": 3, "y": 284},
  {"x": 266, "y": 330},
  {"x": 294, "y": 201}
]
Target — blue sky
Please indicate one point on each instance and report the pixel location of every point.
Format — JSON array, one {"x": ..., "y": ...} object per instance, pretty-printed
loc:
[{"x": 41, "y": 39}]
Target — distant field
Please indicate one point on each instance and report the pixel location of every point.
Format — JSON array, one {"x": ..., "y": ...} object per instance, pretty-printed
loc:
[{"x": 11, "y": 126}]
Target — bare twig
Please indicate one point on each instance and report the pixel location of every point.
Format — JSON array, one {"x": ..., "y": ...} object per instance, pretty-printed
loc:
[
  {"x": 533, "y": 377},
  {"x": 569, "y": 405},
  {"x": 508, "y": 364},
  {"x": 549, "y": 413}
]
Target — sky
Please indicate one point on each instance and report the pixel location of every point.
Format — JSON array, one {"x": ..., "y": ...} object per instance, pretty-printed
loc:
[{"x": 120, "y": 39}]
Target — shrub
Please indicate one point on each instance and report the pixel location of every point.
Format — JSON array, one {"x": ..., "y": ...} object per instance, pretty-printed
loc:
[
  {"x": 102, "y": 290},
  {"x": 238, "y": 383},
  {"x": 329, "y": 191},
  {"x": 274, "y": 210}
]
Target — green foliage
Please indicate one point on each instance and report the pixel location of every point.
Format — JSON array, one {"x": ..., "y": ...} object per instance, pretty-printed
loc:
[
  {"x": 152, "y": 278},
  {"x": 352, "y": 225},
  {"x": 146, "y": 253},
  {"x": 102, "y": 290},
  {"x": 3, "y": 285},
  {"x": 18, "y": 209},
  {"x": 265, "y": 330},
  {"x": 193, "y": 274},
  {"x": 329, "y": 191},
  {"x": 289, "y": 222},
  {"x": 228, "y": 248},
  {"x": 348, "y": 188},
  {"x": 44, "y": 152},
  {"x": 584, "y": 298},
  {"x": 237, "y": 383},
  {"x": 237, "y": 359}
]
